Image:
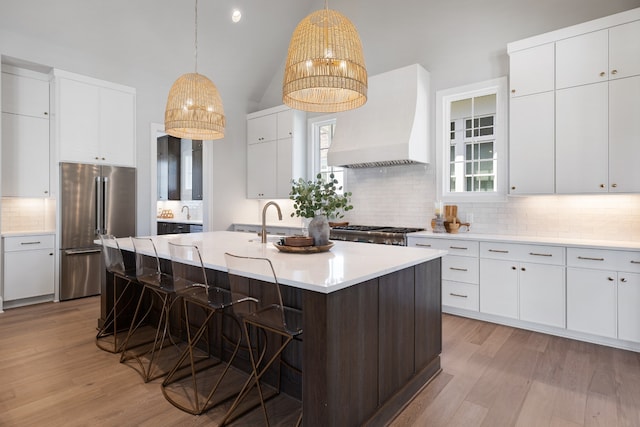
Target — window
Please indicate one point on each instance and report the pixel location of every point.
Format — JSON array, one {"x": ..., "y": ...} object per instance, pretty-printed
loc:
[
  {"x": 471, "y": 146},
  {"x": 322, "y": 129}
]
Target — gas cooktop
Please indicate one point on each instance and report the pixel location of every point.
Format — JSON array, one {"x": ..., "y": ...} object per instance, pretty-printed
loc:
[{"x": 373, "y": 234}]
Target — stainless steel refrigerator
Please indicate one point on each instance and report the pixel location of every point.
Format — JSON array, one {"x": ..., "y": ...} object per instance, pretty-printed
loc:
[{"x": 94, "y": 199}]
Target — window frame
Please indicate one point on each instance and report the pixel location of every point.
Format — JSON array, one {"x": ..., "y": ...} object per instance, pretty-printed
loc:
[
  {"x": 313, "y": 123},
  {"x": 444, "y": 98}
]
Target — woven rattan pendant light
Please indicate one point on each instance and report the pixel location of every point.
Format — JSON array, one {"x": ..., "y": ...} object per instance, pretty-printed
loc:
[
  {"x": 194, "y": 108},
  {"x": 325, "y": 70}
]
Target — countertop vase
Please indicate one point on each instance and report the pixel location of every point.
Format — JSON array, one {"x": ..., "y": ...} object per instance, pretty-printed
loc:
[{"x": 319, "y": 230}]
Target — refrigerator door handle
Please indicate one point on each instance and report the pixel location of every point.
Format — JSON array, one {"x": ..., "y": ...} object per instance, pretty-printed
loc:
[
  {"x": 105, "y": 203},
  {"x": 98, "y": 206}
]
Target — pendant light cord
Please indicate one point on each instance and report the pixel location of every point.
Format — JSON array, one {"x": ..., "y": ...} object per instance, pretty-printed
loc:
[{"x": 196, "y": 37}]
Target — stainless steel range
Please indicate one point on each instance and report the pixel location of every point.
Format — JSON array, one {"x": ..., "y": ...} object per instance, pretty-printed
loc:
[{"x": 372, "y": 234}]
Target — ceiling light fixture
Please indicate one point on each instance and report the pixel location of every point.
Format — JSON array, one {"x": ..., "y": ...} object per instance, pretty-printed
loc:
[
  {"x": 325, "y": 69},
  {"x": 236, "y": 15},
  {"x": 194, "y": 108}
]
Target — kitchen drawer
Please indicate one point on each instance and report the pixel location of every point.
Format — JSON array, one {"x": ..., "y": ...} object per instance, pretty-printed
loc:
[
  {"x": 28, "y": 243},
  {"x": 453, "y": 246},
  {"x": 603, "y": 259},
  {"x": 460, "y": 269},
  {"x": 518, "y": 252},
  {"x": 460, "y": 295}
]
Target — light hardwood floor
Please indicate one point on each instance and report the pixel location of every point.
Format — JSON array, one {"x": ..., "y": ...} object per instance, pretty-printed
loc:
[{"x": 52, "y": 374}]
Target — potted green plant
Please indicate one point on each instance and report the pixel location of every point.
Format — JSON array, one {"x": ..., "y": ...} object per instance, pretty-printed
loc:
[{"x": 319, "y": 200}]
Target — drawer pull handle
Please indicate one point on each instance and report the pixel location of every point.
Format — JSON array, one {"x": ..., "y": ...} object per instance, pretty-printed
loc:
[
  {"x": 458, "y": 295},
  {"x": 458, "y": 269},
  {"x": 500, "y": 251},
  {"x": 424, "y": 245},
  {"x": 536, "y": 254},
  {"x": 30, "y": 243},
  {"x": 590, "y": 259},
  {"x": 458, "y": 247},
  {"x": 635, "y": 262}
]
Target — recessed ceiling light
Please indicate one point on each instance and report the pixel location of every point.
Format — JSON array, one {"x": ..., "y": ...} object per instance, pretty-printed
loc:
[{"x": 236, "y": 15}]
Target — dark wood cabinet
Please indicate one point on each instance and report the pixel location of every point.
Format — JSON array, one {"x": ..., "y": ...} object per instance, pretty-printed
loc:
[
  {"x": 196, "y": 171},
  {"x": 169, "y": 168},
  {"x": 177, "y": 227}
]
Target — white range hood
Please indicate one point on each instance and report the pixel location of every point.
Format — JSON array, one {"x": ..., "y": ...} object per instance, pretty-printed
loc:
[{"x": 391, "y": 128}]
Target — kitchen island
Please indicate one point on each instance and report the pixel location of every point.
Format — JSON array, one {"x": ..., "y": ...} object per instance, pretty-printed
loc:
[{"x": 371, "y": 320}]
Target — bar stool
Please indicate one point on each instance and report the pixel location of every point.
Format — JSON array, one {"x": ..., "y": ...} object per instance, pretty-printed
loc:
[
  {"x": 265, "y": 311},
  {"x": 156, "y": 286},
  {"x": 192, "y": 285},
  {"x": 114, "y": 264}
]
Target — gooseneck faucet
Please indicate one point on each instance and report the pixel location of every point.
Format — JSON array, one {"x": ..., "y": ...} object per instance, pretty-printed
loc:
[
  {"x": 188, "y": 213},
  {"x": 263, "y": 232}
]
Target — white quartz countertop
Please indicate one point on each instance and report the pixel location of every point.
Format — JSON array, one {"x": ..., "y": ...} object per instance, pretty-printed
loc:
[
  {"x": 346, "y": 264},
  {"x": 555, "y": 241}
]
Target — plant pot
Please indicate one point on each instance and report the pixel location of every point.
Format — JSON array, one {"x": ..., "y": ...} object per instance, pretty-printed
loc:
[{"x": 319, "y": 230}]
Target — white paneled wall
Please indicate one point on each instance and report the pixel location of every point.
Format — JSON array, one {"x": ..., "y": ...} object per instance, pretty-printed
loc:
[
  {"x": 404, "y": 195},
  {"x": 20, "y": 215}
]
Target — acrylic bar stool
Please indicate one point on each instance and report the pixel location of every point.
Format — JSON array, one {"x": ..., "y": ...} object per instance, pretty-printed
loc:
[
  {"x": 264, "y": 311},
  {"x": 140, "y": 346},
  {"x": 109, "y": 334},
  {"x": 191, "y": 283}
]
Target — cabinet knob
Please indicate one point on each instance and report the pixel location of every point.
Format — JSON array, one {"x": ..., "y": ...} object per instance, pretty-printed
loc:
[
  {"x": 523, "y": 269},
  {"x": 623, "y": 280},
  {"x": 614, "y": 185},
  {"x": 602, "y": 186},
  {"x": 97, "y": 158},
  {"x": 50, "y": 253},
  {"x": 602, "y": 74},
  {"x": 513, "y": 91},
  {"x": 610, "y": 279},
  {"x": 46, "y": 192},
  {"x": 46, "y": 113},
  {"x": 614, "y": 71},
  {"x": 513, "y": 268},
  {"x": 104, "y": 158},
  {"x": 513, "y": 188}
]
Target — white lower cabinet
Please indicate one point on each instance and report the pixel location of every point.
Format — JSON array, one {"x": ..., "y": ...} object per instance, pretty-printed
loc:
[
  {"x": 603, "y": 293},
  {"x": 542, "y": 294},
  {"x": 499, "y": 288},
  {"x": 460, "y": 295},
  {"x": 28, "y": 266}
]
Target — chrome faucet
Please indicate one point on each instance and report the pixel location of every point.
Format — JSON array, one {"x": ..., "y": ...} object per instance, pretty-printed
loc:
[
  {"x": 263, "y": 232},
  {"x": 188, "y": 213}
]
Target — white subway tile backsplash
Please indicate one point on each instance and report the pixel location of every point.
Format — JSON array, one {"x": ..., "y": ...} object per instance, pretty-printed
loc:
[
  {"x": 404, "y": 196},
  {"x": 20, "y": 214}
]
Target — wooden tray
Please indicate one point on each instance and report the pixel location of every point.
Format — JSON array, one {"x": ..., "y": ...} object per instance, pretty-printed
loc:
[{"x": 303, "y": 249}]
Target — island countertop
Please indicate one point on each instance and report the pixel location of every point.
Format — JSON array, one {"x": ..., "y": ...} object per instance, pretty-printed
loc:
[{"x": 346, "y": 264}]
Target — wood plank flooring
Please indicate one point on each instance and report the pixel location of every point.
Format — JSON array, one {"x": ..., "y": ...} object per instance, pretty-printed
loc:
[{"x": 52, "y": 374}]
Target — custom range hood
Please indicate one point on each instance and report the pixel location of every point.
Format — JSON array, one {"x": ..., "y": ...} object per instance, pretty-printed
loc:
[{"x": 391, "y": 128}]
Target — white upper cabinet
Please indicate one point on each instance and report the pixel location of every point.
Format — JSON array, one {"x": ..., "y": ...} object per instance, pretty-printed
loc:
[
  {"x": 624, "y": 147},
  {"x": 275, "y": 152},
  {"x": 95, "y": 121},
  {"x": 26, "y": 94},
  {"x": 25, "y": 133},
  {"x": 532, "y": 70},
  {"x": 624, "y": 50},
  {"x": 582, "y": 59}
]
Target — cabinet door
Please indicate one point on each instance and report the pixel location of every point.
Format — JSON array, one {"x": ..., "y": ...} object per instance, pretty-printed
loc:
[
  {"x": 582, "y": 139},
  {"x": 628, "y": 303},
  {"x": 624, "y": 147},
  {"x": 284, "y": 168},
  {"x": 196, "y": 171},
  {"x": 582, "y": 59},
  {"x": 532, "y": 144},
  {"x": 532, "y": 70},
  {"x": 624, "y": 50},
  {"x": 28, "y": 274},
  {"x": 499, "y": 287},
  {"x": 542, "y": 294},
  {"x": 25, "y": 95},
  {"x": 591, "y": 301},
  {"x": 78, "y": 121},
  {"x": 261, "y": 170},
  {"x": 285, "y": 124},
  {"x": 262, "y": 129},
  {"x": 25, "y": 156},
  {"x": 117, "y": 127}
]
